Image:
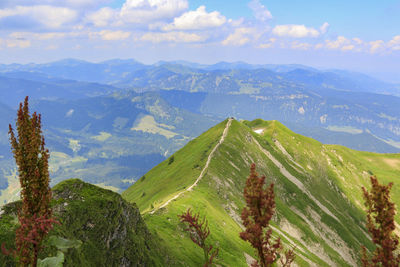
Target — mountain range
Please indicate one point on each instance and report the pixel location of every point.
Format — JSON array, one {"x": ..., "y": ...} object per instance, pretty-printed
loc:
[
  {"x": 108, "y": 123},
  {"x": 319, "y": 206}
]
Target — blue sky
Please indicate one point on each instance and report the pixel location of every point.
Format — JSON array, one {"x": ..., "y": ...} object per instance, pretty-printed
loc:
[{"x": 355, "y": 35}]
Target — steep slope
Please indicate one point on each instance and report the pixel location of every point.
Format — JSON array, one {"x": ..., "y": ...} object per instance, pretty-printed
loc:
[
  {"x": 111, "y": 230},
  {"x": 318, "y": 192},
  {"x": 110, "y": 140}
]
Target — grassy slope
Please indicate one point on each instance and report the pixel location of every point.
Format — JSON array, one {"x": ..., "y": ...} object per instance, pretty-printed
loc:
[
  {"x": 347, "y": 168},
  {"x": 112, "y": 230},
  {"x": 177, "y": 175},
  {"x": 331, "y": 174},
  {"x": 185, "y": 169}
]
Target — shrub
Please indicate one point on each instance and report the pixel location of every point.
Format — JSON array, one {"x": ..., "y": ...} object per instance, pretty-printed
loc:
[
  {"x": 260, "y": 207},
  {"x": 199, "y": 231},
  {"x": 35, "y": 215},
  {"x": 381, "y": 226}
]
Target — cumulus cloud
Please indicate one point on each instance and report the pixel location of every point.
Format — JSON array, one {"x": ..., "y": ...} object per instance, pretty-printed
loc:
[
  {"x": 394, "y": 44},
  {"x": 145, "y": 11},
  {"x": 174, "y": 37},
  {"x": 296, "y": 31},
  {"x": 259, "y": 10},
  {"x": 196, "y": 20},
  {"x": 242, "y": 36},
  {"x": 48, "y": 16},
  {"x": 338, "y": 43},
  {"x": 299, "y": 31},
  {"x": 354, "y": 44},
  {"x": 64, "y": 3},
  {"x": 102, "y": 17}
]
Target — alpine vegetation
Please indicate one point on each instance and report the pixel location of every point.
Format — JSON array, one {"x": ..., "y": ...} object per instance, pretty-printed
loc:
[{"x": 35, "y": 216}]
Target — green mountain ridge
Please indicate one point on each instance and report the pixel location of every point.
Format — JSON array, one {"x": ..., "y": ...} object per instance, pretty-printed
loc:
[{"x": 318, "y": 192}]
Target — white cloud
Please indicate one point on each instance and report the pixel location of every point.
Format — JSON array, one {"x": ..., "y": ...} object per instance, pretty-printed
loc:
[
  {"x": 196, "y": 20},
  {"x": 259, "y": 10},
  {"x": 242, "y": 36},
  {"x": 49, "y": 16},
  {"x": 358, "y": 41},
  {"x": 69, "y": 113},
  {"x": 113, "y": 35},
  {"x": 269, "y": 44},
  {"x": 348, "y": 47},
  {"x": 324, "y": 28},
  {"x": 236, "y": 23},
  {"x": 338, "y": 43},
  {"x": 141, "y": 12},
  {"x": 102, "y": 17},
  {"x": 354, "y": 44},
  {"x": 296, "y": 31},
  {"x": 80, "y": 3},
  {"x": 145, "y": 11},
  {"x": 38, "y": 36},
  {"x": 300, "y": 46},
  {"x": 394, "y": 44},
  {"x": 18, "y": 43},
  {"x": 175, "y": 37},
  {"x": 64, "y": 3},
  {"x": 375, "y": 46}
]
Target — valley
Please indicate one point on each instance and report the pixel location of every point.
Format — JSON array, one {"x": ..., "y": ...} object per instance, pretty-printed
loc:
[{"x": 169, "y": 137}]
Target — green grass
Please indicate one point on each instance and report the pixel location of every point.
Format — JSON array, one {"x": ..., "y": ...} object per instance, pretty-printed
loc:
[
  {"x": 110, "y": 229},
  {"x": 332, "y": 174},
  {"x": 165, "y": 180}
]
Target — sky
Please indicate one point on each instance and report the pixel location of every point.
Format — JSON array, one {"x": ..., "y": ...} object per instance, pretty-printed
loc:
[{"x": 344, "y": 34}]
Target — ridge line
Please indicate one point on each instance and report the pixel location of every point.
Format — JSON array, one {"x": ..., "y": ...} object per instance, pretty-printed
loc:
[{"x": 221, "y": 140}]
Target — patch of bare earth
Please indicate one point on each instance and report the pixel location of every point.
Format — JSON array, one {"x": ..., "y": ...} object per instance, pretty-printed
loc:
[{"x": 392, "y": 162}]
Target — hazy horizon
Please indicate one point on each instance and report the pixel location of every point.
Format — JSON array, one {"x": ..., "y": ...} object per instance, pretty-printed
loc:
[
  {"x": 386, "y": 77},
  {"x": 360, "y": 36}
]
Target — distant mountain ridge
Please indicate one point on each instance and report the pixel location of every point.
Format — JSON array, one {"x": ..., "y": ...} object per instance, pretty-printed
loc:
[
  {"x": 122, "y": 117},
  {"x": 114, "y": 71}
]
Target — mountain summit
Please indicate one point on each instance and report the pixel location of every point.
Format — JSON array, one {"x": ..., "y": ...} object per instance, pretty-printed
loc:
[{"x": 318, "y": 192}]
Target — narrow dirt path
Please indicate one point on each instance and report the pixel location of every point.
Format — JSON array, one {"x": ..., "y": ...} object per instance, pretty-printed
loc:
[{"x": 203, "y": 171}]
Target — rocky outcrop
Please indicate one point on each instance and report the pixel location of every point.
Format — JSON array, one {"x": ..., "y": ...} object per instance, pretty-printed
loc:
[{"x": 112, "y": 230}]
